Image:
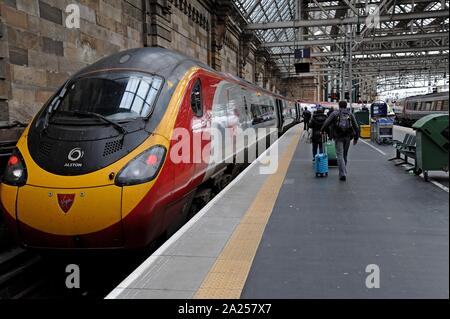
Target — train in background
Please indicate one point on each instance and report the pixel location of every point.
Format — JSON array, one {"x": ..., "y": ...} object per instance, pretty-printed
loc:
[
  {"x": 328, "y": 107},
  {"x": 410, "y": 109},
  {"x": 93, "y": 170}
]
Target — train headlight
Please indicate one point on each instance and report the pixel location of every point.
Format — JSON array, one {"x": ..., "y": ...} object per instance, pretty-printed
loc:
[
  {"x": 142, "y": 168},
  {"x": 16, "y": 171}
]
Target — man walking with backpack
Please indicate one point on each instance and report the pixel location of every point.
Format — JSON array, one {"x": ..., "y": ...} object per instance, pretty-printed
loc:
[{"x": 344, "y": 128}]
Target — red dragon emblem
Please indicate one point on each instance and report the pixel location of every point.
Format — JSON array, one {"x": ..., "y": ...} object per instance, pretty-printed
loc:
[{"x": 65, "y": 201}]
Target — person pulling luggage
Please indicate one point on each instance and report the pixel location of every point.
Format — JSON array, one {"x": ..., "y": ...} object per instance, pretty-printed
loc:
[
  {"x": 316, "y": 123},
  {"x": 344, "y": 128}
]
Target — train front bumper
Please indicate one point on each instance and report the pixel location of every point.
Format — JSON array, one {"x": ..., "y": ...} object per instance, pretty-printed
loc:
[{"x": 65, "y": 218}]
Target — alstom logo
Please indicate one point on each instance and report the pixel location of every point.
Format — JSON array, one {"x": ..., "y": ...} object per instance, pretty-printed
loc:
[{"x": 75, "y": 154}]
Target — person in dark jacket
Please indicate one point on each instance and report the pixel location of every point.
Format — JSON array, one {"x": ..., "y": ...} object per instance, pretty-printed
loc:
[
  {"x": 316, "y": 123},
  {"x": 306, "y": 118},
  {"x": 344, "y": 128}
]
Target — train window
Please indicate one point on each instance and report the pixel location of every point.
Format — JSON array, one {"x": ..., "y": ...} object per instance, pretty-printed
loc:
[
  {"x": 119, "y": 96},
  {"x": 427, "y": 105},
  {"x": 417, "y": 106},
  {"x": 433, "y": 105},
  {"x": 237, "y": 112},
  {"x": 196, "y": 99},
  {"x": 445, "y": 105},
  {"x": 438, "y": 106}
]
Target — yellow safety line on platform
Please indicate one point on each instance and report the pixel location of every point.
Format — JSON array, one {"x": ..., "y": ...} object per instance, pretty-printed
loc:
[{"x": 227, "y": 276}]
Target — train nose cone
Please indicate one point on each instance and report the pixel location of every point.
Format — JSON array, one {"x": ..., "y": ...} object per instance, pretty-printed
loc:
[{"x": 54, "y": 218}]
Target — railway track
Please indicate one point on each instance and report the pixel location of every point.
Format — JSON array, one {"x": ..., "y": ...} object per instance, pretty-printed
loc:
[
  {"x": 25, "y": 275},
  {"x": 19, "y": 273}
]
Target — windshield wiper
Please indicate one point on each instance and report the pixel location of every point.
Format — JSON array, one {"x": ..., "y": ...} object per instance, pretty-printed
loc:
[
  {"x": 116, "y": 125},
  {"x": 52, "y": 108}
]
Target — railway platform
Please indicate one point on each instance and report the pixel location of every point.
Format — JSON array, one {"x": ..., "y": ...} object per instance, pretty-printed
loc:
[{"x": 292, "y": 235}]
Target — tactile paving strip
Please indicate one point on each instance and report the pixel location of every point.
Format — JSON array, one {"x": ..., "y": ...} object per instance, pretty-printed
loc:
[{"x": 227, "y": 277}]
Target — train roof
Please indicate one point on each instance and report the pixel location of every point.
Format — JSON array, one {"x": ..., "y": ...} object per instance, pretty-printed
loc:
[
  {"x": 154, "y": 60},
  {"x": 162, "y": 62},
  {"x": 438, "y": 94}
]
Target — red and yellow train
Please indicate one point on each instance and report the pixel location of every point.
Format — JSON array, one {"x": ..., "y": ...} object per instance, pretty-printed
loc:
[{"x": 93, "y": 169}]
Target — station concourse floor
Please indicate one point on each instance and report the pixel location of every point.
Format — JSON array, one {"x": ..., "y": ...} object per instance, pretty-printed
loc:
[{"x": 292, "y": 235}]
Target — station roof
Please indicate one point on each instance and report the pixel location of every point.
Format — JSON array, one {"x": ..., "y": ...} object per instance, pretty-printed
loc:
[{"x": 386, "y": 37}]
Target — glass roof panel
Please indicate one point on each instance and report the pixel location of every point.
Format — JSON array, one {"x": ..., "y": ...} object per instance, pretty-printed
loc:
[{"x": 267, "y": 11}]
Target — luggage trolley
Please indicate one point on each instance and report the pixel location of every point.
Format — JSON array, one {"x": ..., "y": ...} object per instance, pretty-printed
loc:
[
  {"x": 384, "y": 130},
  {"x": 381, "y": 125}
]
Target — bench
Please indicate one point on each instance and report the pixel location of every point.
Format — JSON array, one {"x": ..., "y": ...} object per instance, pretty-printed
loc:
[{"x": 407, "y": 147}]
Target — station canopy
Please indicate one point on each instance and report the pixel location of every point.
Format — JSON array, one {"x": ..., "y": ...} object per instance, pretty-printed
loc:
[{"x": 406, "y": 40}]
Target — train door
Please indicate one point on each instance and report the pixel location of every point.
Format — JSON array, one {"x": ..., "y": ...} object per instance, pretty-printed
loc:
[
  {"x": 288, "y": 116},
  {"x": 220, "y": 128},
  {"x": 201, "y": 123},
  {"x": 279, "y": 112},
  {"x": 186, "y": 153},
  {"x": 298, "y": 111},
  {"x": 245, "y": 115}
]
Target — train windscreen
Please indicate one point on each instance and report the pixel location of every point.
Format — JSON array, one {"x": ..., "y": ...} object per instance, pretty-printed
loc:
[{"x": 118, "y": 96}]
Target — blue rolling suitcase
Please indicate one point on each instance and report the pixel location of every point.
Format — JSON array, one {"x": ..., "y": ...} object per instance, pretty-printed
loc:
[{"x": 321, "y": 163}]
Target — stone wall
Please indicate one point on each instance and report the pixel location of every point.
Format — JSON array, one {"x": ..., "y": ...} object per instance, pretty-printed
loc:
[
  {"x": 39, "y": 52},
  {"x": 249, "y": 70},
  {"x": 305, "y": 88},
  {"x": 190, "y": 28},
  {"x": 229, "y": 53}
]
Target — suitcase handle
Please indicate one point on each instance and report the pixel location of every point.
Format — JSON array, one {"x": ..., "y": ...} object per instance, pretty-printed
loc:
[{"x": 324, "y": 141}]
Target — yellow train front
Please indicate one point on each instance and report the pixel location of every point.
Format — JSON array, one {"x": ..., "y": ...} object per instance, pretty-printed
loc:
[{"x": 90, "y": 170}]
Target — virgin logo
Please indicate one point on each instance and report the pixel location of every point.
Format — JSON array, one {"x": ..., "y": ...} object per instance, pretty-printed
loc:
[{"x": 65, "y": 201}]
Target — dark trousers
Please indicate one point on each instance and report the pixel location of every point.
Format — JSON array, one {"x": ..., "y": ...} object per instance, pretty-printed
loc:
[
  {"x": 305, "y": 124},
  {"x": 315, "y": 146},
  {"x": 342, "y": 146}
]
